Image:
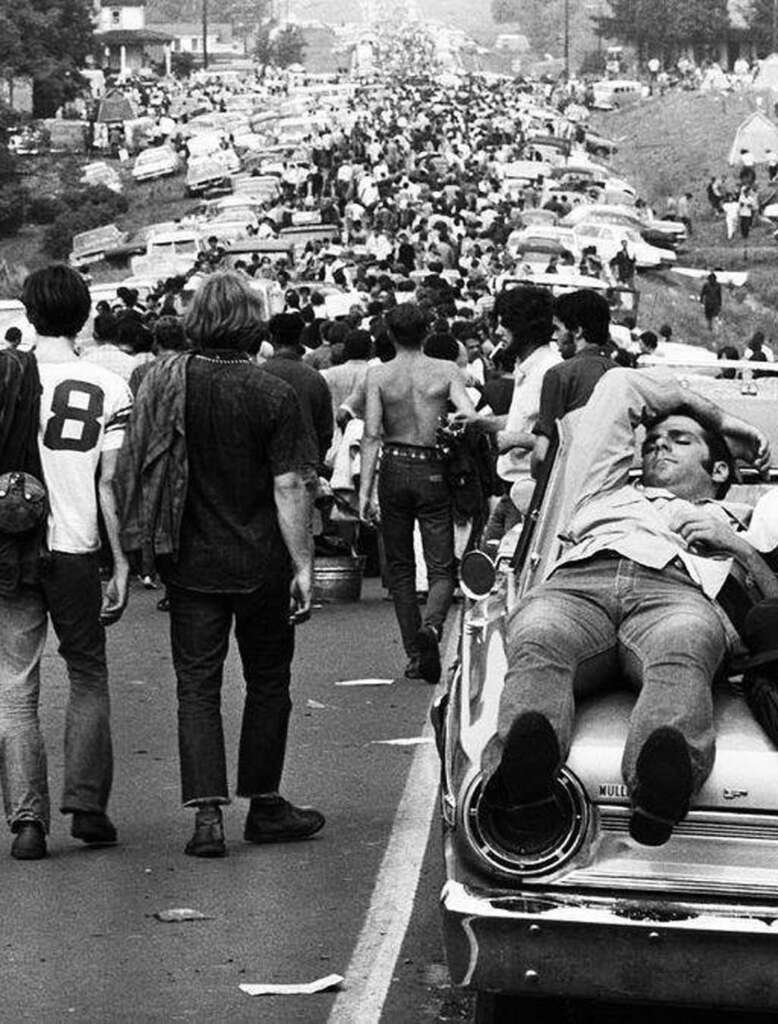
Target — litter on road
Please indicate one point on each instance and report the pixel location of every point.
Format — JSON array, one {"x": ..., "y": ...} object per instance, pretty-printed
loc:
[
  {"x": 331, "y": 981},
  {"x": 177, "y": 914},
  {"x": 365, "y": 682},
  {"x": 405, "y": 741}
]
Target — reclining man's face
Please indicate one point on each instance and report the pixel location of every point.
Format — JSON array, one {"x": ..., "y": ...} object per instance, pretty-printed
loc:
[{"x": 676, "y": 456}]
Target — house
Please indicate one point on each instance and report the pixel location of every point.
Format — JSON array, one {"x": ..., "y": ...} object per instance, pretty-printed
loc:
[
  {"x": 221, "y": 39},
  {"x": 124, "y": 42}
]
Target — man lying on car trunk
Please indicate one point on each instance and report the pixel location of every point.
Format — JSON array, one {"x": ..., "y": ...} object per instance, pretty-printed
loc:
[{"x": 633, "y": 596}]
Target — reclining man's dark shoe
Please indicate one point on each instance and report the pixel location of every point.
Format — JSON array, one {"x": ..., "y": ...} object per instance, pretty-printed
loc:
[
  {"x": 208, "y": 837},
  {"x": 429, "y": 654},
  {"x": 277, "y": 821},
  {"x": 29, "y": 842},
  {"x": 530, "y": 760},
  {"x": 663, "y": 788},
  {"x": 93, "y": 828},
  {"x": 522, "y": 810}
]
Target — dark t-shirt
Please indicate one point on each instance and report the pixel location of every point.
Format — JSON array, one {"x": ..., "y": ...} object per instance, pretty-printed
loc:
[
  {"x": 568, "y": 386},
  {"x": 315, "y": 404},
  {"x": 243, "y": 428}
]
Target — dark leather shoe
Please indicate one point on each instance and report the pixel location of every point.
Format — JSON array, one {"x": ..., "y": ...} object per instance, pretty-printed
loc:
[
  {"x": 208, "y": 837},
  {"x": 278, "y": 821},
  {"x": 29, "y": 842},
  {"x": 664, "y": 787},
  {"x": 429, "y": 654},
  {"x": 93, "y": 828}
]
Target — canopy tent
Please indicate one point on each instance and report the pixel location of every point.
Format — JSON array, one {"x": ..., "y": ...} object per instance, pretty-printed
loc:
[
  {"x": 757, "y": 134},
  {"x": 115, "y": 106},
  {"x": 767, "y": 76}
]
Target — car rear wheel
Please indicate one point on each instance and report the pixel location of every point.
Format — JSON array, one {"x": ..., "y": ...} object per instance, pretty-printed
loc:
[{"x": 497, "y": 1008}]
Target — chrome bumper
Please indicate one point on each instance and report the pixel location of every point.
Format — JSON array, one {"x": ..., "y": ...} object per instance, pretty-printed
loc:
[{"x": 614, "y": 950}]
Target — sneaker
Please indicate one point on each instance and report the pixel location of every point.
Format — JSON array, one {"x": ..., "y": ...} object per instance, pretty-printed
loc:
[
  {"x": 429, "y": 654},
  {"x": 93, "y": 828},
  {"x": 278, "y": 821},
  {"x": 663, "y": 789},
  {"x": 29, "y": 842},
  {"x": 148, "y": 583},
  {"x": 208, "y": 837}
]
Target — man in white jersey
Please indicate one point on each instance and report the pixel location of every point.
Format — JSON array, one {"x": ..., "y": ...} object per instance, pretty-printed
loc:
[{"x": 83, "y": 411}]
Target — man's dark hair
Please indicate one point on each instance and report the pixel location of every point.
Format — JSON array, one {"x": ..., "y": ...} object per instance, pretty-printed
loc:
[
  {"x": 357, "y": 345},
  {"x": 718, "y": 449},
  {"x": 649, "y": 340},
  {"x": 104, "y": 328},
  {"x": 169, "y": 335},
  {"x": 57, "y": 301},
  {"x": 442, "y": 346},
  {"x": 14, "y": 337},
  {"x": 132, "y": 336},
  {"x": 587, "y": 310},
  {"x": 407, "y": 324},
  {"x": 285, "y": 330},
  {"x": 527, "y": 312}
]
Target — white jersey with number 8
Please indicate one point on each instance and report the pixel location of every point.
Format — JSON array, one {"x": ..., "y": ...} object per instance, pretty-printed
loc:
[{"x": 84, "y": 410}]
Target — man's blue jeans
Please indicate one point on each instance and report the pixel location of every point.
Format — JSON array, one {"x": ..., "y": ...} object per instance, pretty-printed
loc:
[
  {"x": 71, "y": 594},
  {"x": 610, "y": 622},
  {"x": 200, "y": 626},
  {"x": 409, "y": 490}
]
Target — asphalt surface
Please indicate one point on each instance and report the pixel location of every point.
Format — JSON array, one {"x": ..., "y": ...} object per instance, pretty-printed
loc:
[{"x": 79, "y": 938}]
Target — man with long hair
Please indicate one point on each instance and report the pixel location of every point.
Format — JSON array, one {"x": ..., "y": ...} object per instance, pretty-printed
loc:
[{"x": 212, "y": 481}]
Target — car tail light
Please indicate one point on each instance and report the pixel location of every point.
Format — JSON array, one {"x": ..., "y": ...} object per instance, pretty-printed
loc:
[{"x": 495, "y": 855}]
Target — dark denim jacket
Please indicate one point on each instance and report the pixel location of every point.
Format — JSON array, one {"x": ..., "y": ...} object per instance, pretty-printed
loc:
[{"x": 152, "y": 471}]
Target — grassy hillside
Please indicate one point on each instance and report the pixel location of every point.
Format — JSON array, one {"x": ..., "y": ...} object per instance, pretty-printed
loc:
[{"x": 675, "y": 144}]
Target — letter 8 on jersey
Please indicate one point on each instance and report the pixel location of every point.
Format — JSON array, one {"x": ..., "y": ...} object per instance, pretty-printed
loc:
[{"x": 84, "y": 415}]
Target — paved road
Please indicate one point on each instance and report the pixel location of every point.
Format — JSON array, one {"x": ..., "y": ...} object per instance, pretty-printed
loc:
[{"x": 79, "y": 940}]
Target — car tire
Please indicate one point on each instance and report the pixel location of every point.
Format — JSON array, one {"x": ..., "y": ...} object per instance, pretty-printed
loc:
[{"x": 500, "y": 1008}]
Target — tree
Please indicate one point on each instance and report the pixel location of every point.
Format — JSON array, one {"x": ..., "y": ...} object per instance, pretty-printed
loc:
[
  {"x": 506, "y": 10},
  {"x": 662, "y": 28},
  {"x": 279, "y": 47},
  {"x": 760, "y": 21},
  {"x": 48, "y": 40}
]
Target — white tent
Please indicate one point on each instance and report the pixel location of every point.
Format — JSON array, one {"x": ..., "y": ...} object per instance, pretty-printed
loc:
[
  {"x": 758, "y": 134},
  {"x": 767, "y": 75}
]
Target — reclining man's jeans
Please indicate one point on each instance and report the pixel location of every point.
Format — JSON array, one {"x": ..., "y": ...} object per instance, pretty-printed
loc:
[
  {"x": 410, "y": 490},
  {"x": 71, "y": 594},
  {"x": 611, "y": 621},
  {"x": 200, "y": 626}
]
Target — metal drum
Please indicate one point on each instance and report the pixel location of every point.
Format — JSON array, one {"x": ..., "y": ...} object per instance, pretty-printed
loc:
[{"x": 338, "y": 578}]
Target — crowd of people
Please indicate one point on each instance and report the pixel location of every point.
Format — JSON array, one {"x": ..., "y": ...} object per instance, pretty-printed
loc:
[{"x": 216, "y": 423}]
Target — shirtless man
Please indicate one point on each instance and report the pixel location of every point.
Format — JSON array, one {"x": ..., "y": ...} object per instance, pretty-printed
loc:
[{"x": 405, "y": 401}]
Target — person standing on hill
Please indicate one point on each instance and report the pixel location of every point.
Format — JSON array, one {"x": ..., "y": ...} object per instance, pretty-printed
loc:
[{"x": 711, "y": 299}]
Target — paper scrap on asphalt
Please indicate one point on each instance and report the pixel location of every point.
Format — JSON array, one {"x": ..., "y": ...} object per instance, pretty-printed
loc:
[
  {"x": 315, "y": 704},
  {"x": 365, "y": 682},
  {"x": 302, "y": 989},
  {"x": 176, "y": 914},
  {"x": 406, "y": 741}
]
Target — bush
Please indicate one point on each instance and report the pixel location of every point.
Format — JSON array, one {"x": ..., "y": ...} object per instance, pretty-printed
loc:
[
  {"x": 12, "y": 199},
  {"x": 58, "y": 240},
  {"x": 182, "y": 64},
  {"x": 96, "y": 195},
  {"x": 44, "y": 209}
]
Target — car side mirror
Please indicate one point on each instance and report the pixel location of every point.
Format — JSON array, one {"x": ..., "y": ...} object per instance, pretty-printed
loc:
[{"x": 477, "y": 574}]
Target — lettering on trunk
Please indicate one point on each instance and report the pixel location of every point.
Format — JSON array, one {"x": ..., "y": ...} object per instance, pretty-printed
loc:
[
  {"x": 735, "y": 794},
  {"x": 613, "y": 789}
]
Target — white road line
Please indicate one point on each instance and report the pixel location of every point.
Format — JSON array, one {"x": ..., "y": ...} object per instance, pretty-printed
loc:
[{"x": 372, "y": 965}]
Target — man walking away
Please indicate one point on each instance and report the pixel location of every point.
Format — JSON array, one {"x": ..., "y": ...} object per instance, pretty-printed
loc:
[
  {"x": 83, "y": 410},
  {"x": 710, "y": 297},
  {"x": 222, "y": 503},
  {"x": 406, "y": 399}
]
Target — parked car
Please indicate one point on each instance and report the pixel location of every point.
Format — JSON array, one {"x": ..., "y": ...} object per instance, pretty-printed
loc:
[
  {"x": 592, "y": 914},
  {"x": 665, "y": 233},
  {"x": 607, "y": 239},
  {"x": 157, "y": 162},
  {"x": 91, "y": 246},
  {"x": 168, "y": 253}
]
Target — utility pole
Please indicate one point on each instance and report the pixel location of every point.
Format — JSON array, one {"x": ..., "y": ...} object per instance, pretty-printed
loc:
[
  {"x": 205, "y": 34},
  {"x": 775, "y": 26},
  {"x": 567, "y": 38}
]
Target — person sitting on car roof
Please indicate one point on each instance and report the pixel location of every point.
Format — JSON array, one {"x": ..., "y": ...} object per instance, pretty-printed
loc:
[{"x": 634, "y": 592}]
